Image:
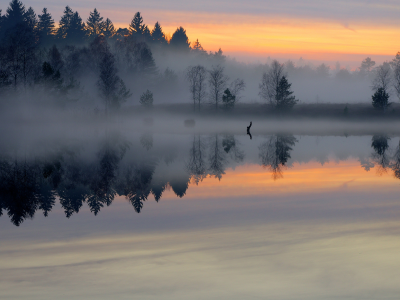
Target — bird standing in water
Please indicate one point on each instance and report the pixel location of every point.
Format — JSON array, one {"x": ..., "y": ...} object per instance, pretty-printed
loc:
[{"x": 248, "y": 130}]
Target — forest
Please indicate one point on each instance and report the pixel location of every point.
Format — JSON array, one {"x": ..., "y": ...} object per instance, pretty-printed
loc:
[{"x": 92, "y": 67}]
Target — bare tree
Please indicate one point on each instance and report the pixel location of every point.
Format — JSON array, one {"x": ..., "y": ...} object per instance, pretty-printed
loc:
[
  {"x": 396, "y": 74},
  {"x": 237, "y": 86},
  {"x": 196, "y": 76},
  {"x": 383, "y": 77},
  {"x": 270, "y": 82},
  {"x": 217, "y": 81},
  {"x": 275, "y": 153},
  {"x": 197, "y": 165}
]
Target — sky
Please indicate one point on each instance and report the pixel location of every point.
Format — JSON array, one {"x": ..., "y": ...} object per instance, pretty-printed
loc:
[{"x": 253, "y": 30}]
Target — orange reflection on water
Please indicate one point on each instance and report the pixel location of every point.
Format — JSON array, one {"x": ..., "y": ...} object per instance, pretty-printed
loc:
[{"x": 311, "y": 177}]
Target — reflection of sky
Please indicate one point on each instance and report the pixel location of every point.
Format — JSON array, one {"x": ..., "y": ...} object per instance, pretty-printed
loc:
[
  {"x": 318, "y": 30},
  {"x": 325, "y": 240}
]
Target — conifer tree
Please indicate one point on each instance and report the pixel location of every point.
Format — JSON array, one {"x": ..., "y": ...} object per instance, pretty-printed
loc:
[
  {"x": 136, "y": 27},
  {"x": 198, "y": 48},
  {"x": 180, "y": 40},
  {"x": 71, "y": 29},
  {"x": 15, "y": 14},
  {"x": 46, "y": 28},
  {"x": 95, "y": 24},
  {"x": 31, "y": 19},
  {"x": 380, "y": 99},
  {"x": 158, "y": 35},
  {"x": 65, "y": 23},
  {"x": 109, "y": 29},
  {"x": 284, "y": 98}
]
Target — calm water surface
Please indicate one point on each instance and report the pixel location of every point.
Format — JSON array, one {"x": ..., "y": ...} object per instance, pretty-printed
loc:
[{"x": 200, "y": 216}]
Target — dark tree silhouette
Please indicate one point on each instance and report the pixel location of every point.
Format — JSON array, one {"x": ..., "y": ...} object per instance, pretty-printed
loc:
[
  {"x": 71, "y": 30},
  {"x": 15, "y": 15},
  {"x": 216, "y": 158},
  {"x": 284, "y": 98},
  {"x": 179, "y": 184},
  {"x": 94, "y": 24},
  {"x": 112, "y": 88},
  {"x": 380, "y": 155},
  {"x": 395, "y": 165},
  {"x": 217, "y": 82},
  {"x": 158, "y": 35},
  {"x": 21, "y": 54},
  {"x": 197, "y": 164},
  {"x": 231, "y": 147},
  {"x": 46, "y": 28},
  {"x": 136, "y": 27},
  {"x": 180, "y": 40},
  {"x": 275, "y": 153},
  {"x": 380, "y": 99},
  {"x": 197, "y": 48},
  {"x": 196, "y": 77},
  {"x": 108, "y": 29},
  {"x": 228, "y": 100}
]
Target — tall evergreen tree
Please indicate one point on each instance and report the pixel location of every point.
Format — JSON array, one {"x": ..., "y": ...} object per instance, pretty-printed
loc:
[
  {"x": 71, "y": 29},
  {"x": 180, "y": 40},
  {"x": 95, "y": 24},
  {"x": 284, "y": 98},
  {"x": 15, "y": 14},
  {"x": 109, "y": 29},
  {"x": 136, "y": 27},
  {"x": 65, "y": 23},
  {"x": 31, "y": 19},
  {"x": 158, "y": 35},
  {"x": 46, "y": 28}
]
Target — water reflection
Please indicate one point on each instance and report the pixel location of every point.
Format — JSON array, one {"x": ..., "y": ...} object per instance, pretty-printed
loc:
[
  {"x": 275, "y": 153},
  {"x": 96, "y": 173}
]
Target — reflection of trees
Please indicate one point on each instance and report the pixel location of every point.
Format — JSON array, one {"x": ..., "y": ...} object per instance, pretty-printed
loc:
[
  {"x": 275, "y": 153},
  {"x": 136, "y": 184},
  {"x": 197, "y": 165},
  {"x": 216, "y": 158},
  {"x": 380, "y": 155},
  {"x": 396, "y": 162},
  {"x": 230, "y": 146}
]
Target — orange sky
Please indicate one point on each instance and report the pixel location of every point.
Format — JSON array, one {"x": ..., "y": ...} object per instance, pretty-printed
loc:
[{"x": 253, "y": 180}]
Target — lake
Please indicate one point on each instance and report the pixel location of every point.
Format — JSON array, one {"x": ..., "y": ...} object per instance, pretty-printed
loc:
[{"x": 148, "y": 213}]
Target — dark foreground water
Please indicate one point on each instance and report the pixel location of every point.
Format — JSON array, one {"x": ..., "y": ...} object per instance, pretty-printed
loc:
[{"x": 120, "y": 215}]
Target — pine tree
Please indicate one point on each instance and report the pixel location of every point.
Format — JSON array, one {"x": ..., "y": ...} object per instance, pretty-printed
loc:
[
  {"x": 95, "y": 24},
  {"x": 15, "y": 14},
  {"x": 76, "y": 33},
  {"x": 46, "y": 28},
  {"x": 109, "y": 29},
  {"x": 71, "y": 29},
  {"x": 136, "y": 27},
  {"x": 198, "y": 48},
  {"x": 180, "y": 40},
  {"x": 31, "y": 19},
  {"x": 158, "y": 35},
  {"x": 146, "y": 36},
  {"x": 112, "y": 89},
  {"x": 65, "y": 23},
  {"x": 380, "y": 99},
  {"x": 284, "y": 98}
]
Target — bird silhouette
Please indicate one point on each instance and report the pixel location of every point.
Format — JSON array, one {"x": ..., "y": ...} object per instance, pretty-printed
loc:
[{"x": 248, "y": 130}]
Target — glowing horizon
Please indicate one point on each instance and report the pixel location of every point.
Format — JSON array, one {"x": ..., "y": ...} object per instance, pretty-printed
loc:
[{"x": 322, "y": 31}]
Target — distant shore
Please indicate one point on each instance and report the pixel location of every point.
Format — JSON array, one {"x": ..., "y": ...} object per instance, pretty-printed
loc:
[{"x": 319, "y": 111}]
